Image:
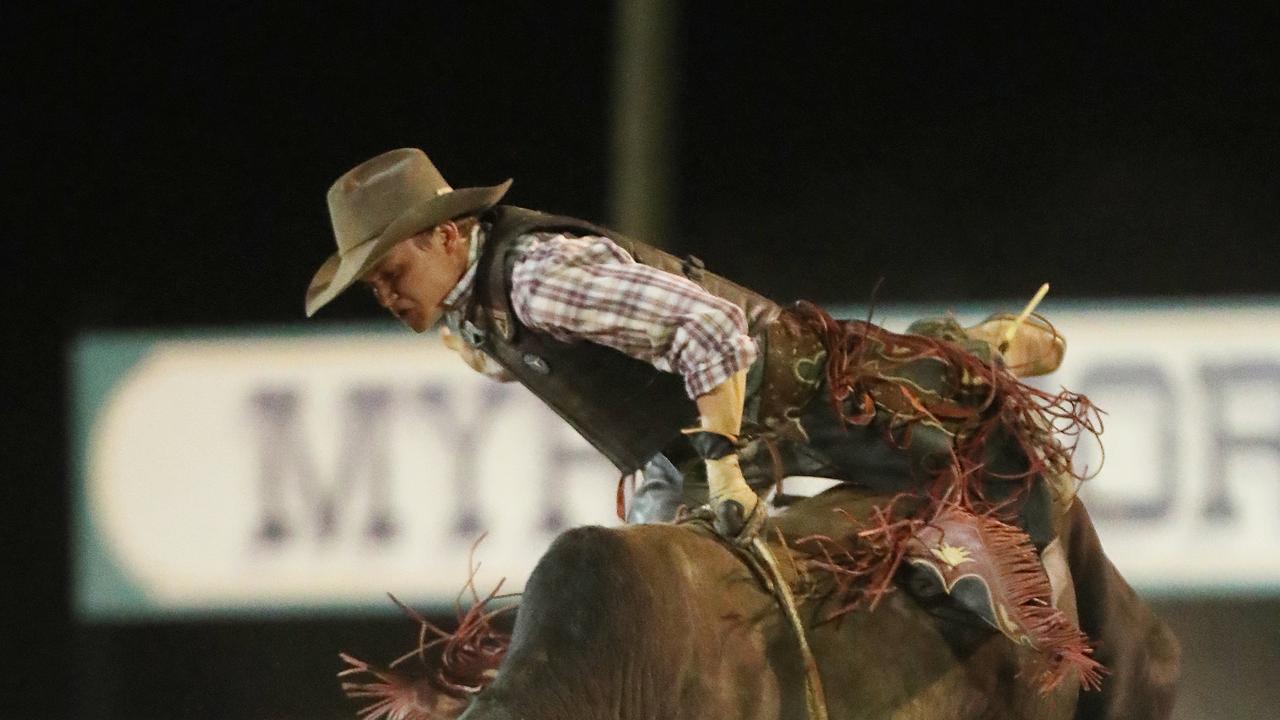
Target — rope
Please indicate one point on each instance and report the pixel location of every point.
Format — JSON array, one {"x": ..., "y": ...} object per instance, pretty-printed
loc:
[{"x": 814, "y": 698}]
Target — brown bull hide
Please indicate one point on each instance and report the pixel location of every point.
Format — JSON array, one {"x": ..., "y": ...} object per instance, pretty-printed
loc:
[{"x": 663, "y": 621}]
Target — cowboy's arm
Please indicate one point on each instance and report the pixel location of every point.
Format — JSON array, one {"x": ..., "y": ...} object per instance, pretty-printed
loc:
[
  {"x": 720, "y": 412},
  {"x": 590, "y": 289}
]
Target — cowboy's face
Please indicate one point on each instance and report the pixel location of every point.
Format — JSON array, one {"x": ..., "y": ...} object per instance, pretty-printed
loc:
[{"x": 417, "y": 274}]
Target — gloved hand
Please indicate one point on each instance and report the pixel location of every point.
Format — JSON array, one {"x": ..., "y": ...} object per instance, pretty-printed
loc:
[{"x": 738, "y": 511}]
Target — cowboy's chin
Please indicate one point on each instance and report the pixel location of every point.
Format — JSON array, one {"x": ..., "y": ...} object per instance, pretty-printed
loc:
[
  {"x": 414, "y": 323},
  {"x": 418, "y": 321}
]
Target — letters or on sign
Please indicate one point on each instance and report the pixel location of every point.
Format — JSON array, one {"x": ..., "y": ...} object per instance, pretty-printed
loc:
[{"x": 312, "y": 472}]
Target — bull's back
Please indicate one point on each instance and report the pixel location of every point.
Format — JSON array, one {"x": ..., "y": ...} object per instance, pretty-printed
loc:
[
  {"x": 665, "y": 621},
  {"x": 903, "y": 661},
  {"x": 637, "y": 622}
]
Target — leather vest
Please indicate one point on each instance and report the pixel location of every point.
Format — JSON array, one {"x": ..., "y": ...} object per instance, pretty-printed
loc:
[{"x": 626, "y": 408}]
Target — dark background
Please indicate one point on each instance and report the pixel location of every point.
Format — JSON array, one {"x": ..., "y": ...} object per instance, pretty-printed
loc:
[{"x": 167, "y": 167}]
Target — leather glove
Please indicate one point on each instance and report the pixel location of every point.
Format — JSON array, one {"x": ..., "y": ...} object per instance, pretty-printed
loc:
[{"x": 737, "y": 511}]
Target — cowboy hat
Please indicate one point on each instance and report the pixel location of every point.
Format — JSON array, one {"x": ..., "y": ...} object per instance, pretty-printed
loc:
[{"x": 380, "y": 202}]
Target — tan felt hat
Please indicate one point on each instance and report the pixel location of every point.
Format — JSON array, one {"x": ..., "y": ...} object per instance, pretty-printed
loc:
[{"x": 381, "y": 202}]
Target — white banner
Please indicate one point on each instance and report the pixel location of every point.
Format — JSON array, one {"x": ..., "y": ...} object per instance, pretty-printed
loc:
[
  {"x": 1189, "y": 495},
  {"x": 325, "y": 470}
]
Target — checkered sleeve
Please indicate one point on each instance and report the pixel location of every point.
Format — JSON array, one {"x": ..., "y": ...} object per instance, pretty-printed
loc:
[{"x": 588, "y": 288}]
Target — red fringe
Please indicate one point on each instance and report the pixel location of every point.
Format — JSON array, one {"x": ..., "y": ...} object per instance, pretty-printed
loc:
[
  {"x": 1046, "y": 427},
  {"x": 863, "y": 565},
  {"x": 1026, "y": 585},
  {"x": 860, "y": 368},
  {"x": 451, "y": 666}
]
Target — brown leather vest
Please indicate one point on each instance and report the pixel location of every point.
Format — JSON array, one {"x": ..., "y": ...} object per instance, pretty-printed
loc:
[{"x": 626, "y": 408}]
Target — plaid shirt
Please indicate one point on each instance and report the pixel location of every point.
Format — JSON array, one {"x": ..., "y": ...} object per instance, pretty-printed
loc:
[{"x": 588, "y": 288}]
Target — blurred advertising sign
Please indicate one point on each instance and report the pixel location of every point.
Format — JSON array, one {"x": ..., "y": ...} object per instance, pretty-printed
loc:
[
  {"x": 291, "y": 472},
  {"x": 313, "y": 472},
  {"x": 1188, "y": 495}
]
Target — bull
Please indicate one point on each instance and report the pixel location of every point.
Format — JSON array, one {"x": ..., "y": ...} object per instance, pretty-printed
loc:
[{"x": 666, "y": 621}]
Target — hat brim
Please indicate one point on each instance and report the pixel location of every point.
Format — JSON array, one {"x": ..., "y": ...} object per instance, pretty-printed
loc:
[{"x": 342, "y": 269}]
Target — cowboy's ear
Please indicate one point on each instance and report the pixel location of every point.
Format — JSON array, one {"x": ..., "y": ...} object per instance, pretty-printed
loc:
[{"x": 450, "y": 235}]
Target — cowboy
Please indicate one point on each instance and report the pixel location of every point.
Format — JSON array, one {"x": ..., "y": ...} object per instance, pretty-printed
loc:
[
  {"x": 630, "y": 345},
  {"x": 662, "y": 365}
]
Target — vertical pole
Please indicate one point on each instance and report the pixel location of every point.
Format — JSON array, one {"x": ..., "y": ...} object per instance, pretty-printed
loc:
[{"x": 640, "y": 194}]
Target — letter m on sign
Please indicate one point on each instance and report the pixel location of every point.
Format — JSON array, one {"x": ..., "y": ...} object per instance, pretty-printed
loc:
[{"x": 286, "y": 460}]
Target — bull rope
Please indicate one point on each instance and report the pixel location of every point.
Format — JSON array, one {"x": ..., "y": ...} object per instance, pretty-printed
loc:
[{"x": 814, "y": 698}]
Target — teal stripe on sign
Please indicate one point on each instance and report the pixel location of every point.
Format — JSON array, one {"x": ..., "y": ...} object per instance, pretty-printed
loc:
[{"x": 99, "y": 363}]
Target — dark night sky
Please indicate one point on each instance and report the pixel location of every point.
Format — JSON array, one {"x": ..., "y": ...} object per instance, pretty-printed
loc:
[
  {"x": 169, "y": 167},
  {"x": 969, "y": 153}
]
